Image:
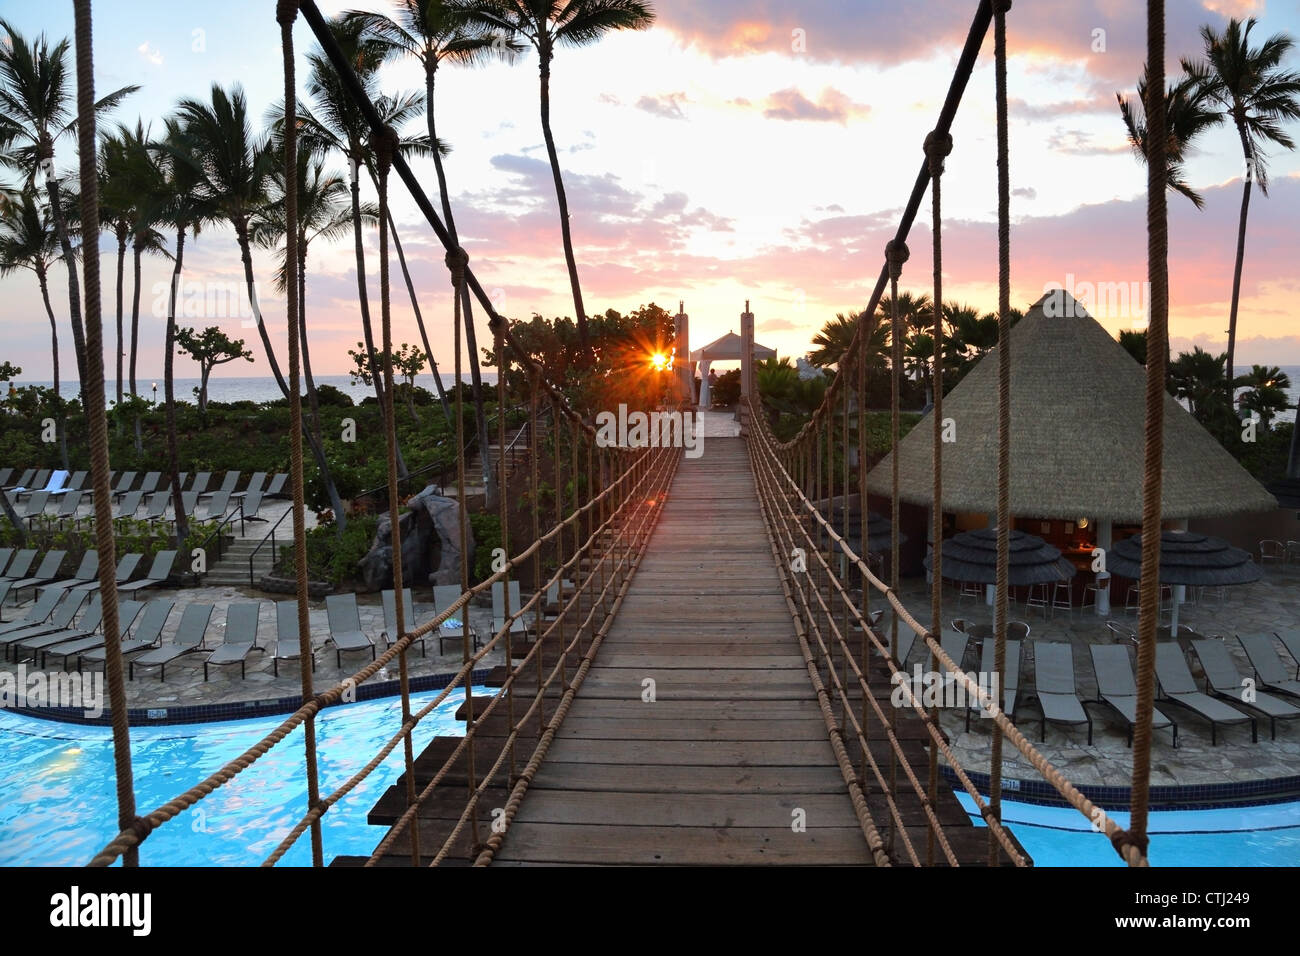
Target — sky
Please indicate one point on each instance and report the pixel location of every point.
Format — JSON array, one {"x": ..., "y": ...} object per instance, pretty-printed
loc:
[{"x": 738, "y": 150}]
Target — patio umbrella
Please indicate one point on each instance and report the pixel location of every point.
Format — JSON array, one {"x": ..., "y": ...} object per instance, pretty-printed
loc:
[
  {"x": 1186, "y": 558},
  {"x": 973, "y": 556}
]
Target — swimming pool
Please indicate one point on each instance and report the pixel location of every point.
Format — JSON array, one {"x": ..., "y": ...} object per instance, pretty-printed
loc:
[
  {"x": 1237, "y": 836},
  {"x": 58, "y": 803}
]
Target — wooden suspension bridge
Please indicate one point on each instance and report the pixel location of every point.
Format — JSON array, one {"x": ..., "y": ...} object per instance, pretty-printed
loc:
[{"x": 675, "y": 691}]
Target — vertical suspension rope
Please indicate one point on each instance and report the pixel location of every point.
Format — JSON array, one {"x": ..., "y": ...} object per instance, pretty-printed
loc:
[
  {"x": 457, "y": 259},
  {"x": 499, "y": 343},
  {"x": 97, "y": 422},
  {"x": 1003, "y": 573},
  {"x": 286, "y": 11},
  {"x": 896, "y": 253},
  {"x": 385, "y": 145},
  {"x": 937, "y": 147},
  {"x": 1132, "y": 843},
  {"x": 866, "y": 326}
]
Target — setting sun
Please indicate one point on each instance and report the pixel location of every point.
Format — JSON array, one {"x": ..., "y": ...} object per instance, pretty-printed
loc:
[{"x": 659, "y": 361}]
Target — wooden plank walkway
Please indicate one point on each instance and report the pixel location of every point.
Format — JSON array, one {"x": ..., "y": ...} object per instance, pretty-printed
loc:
[
  {"x": 728, "y": 752},
  {"x": 714, "y": 769}
]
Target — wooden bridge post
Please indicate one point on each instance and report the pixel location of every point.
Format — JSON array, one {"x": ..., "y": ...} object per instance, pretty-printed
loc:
[
  {"x": 682, "y": 353},
  {"x": 746, "y": 365}
]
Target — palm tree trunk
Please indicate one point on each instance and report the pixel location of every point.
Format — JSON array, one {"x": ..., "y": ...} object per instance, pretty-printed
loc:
[
  {"x": 363, "y": 302},
  {"x": 54, "y": 351},
  {"x": 169, "y": 391},
  {"x": 245, "y": 252},
  {"x": 1241, "y": 258},
  {"x": 136, "y": 255},
  {"x": 121, "y": 269},
  {"x": 471, "y": 340},
  {"x": 581, "y": 315},
  {"x": 419, "y": 319},
  {"x": 313, "y": 434},
  {"x": 74, "y": 285}
]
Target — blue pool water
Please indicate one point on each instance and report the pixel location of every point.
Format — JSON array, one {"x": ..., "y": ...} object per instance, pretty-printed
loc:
[
  {"x": 58, "y": 802},
  {"x": 1241, "y": 836}
]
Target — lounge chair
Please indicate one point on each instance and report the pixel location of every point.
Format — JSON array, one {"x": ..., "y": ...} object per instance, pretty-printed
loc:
[
  {"x": 5, "y": 555},
  {"x": 47, "y": 572},
  {"x": 129, "y": 505},
  {"x": 519, "y": 625},
  {"x": 218, "y": 505},
  {"x": 1010, "y": 678},
  {"x": 68, "y": 506},
  {"x": 5, "y": 475},
  {"x": 287, "y": 646},
  {"x": 227, "y": 485},
  {"x": 148, "y": 632},
  {"x": 190, "y": 503},
  {"x": 1291, "y": 641},
  {"x": 954, "y": 644},
  {"x": 255, "y": 483},
  {"x": 157, "y": 509},
  {"x": 158, "y": 573},
  {"x": 1117, "y": 688},
  {"x": 36, "y": 505},
  {"x": 345, "y": 626},
  {"x": 53, "y": 485},
  {"x": 240, "y": 639},
  {"x": 38, "y": 482},
  {"x": 24, "y": 480},
  {"x": 389, "y": 632},
  {"x": 1177, "y": 686},
  {"x": 200, "y": 483},
  {"x": 87, "y": 636},
  {"x": 41, "y": 608},
  {"x": 124, "y": 483},
  {"x": 1055, "y": 688},
  {"x": 1224, "y": 680},
  {"x": 452, "y": 629},
  {"x": 87, "y": 571},
  {"x": 189, "y": 638},
  {"x": 249, "y": 506},
  {"x": 125, "y": 568},
  {"x": 21, "y": 564},
  {"x": 61, "y": 618},
  {"x": 66, "y": 631},
  {"x": 150, "y": 483},
  {"x": 906, "y": 641},
  {"x": 1270, "y": 670},
  {"x": 76, "y": 483},
  {"x": 276, "y": 488}
]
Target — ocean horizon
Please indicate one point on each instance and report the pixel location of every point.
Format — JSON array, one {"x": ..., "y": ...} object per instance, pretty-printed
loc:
[{"x": 240, "y": 389}]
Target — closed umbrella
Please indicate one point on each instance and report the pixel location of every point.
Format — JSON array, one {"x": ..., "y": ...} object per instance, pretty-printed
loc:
[{"x": 1187, "y": 558}]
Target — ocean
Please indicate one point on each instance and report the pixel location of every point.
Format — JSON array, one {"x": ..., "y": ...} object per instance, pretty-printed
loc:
[{"x": 244, "y": 389}]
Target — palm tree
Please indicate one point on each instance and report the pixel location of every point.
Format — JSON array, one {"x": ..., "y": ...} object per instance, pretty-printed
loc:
[
  {"x": 143, "y": 180},
  {"x": 835, "y": 336},
  {"x": 1268, "y": 386},
  {"x": 1188, "y": 113},
  {"x": 546, "y": 24},
  {"x": 28, "y": 241},
  {"x": 1196, "y": 376},
  {"x": 335, "y": 123},
  {"x": 435, "y": 31},
  {"x": 115, "y": 201},
  {"x": 1134, "y": 342},
  {"x": 235, "y": 166},
  {"x": 1249, "y": 86},
  {"x": 914, "y": 311},
  {"x": 38, "y": 105}
]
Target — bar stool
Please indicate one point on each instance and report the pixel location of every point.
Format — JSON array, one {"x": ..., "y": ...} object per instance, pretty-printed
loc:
[
  {"x": 1062, "y": 598},
  {"x": 970, "y": 589},
  {"x": 1039, "y": 597},
  {"x": 1092, "y": 589}
]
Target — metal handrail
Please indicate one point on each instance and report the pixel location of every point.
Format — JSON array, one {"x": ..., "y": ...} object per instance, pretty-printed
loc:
[
  {"x": 269, "y": 536},
  {"x": 228, "y": 519}
]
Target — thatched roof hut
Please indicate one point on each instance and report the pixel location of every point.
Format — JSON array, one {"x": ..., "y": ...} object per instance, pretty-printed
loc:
[{"x": 1078, "y": 402}]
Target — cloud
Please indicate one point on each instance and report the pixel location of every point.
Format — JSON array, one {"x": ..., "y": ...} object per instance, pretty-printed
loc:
[
  {"x": 609, "y": 99},
  {"x": 1020, "y": 109},
  {"x": 666, "y": 105},
  {"x": 1027, "y": 192},
  {"x": 833, "y": 106},
  {"x": 1078, "y": 143},
  {"x": 776, "y": 325},
  {"x": 150, "y": 53}
]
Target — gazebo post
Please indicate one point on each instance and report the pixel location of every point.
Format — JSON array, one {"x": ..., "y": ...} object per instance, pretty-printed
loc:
[
  {"x": 991, "y": 590},
  {"x": 706, "y": 394},
  {"x": 1105, "y": 528},
  {"x": 1180, "y": 590}
]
